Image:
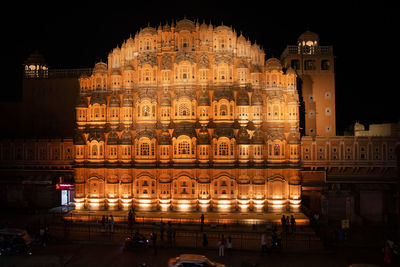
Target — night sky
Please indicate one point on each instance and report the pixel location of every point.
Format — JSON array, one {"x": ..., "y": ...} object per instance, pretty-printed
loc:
[{"x": 76, "y": 35}]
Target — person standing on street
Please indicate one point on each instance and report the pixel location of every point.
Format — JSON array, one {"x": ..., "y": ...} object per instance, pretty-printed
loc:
[
  {"x": 111, "y": 223},
  {"x": 263, "y": 243},
  {"x": 201, "y": 222},
  {"x": 221, "y": 246},
  {"x": 292, "y": 223}
]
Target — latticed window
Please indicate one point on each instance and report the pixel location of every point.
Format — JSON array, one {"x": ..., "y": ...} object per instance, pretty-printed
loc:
[
  {"x": 146, "y": 111},
  {"x": 144, "y": 149},
  {"x": 184, "y": 109},
  {"x": 184, "y": 148},
  {"x": 223, "y": 149},
  {"x": 223, "y": 110},
  {"x": 276, "y": 150}
]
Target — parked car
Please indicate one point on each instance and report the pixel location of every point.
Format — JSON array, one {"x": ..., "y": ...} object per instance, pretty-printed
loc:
[
  {"x": 192, "y": 260},
  {"x": 14, "y": 241}
]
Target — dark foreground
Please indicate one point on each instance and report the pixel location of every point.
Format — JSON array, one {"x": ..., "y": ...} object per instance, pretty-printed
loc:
[{"x": 95, "y": 254}]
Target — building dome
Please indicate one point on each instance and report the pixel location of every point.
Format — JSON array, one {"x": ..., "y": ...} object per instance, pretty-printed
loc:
[
  {"x": 112, "y": 138},
  {"x": 256, "y": 99},
  {"x": 242, "y": 98},
  {"x": 129, "y": 67},
  {"x": 165, "y": 138},
  {"x": 273, "y": 64},
  {"x": 204, "y": 99},
  {"x": 308, "y": 36},
  {"x": 115, "y": 72},
  {"x": 96, "y": 134},
  {"x": 165, "y": 100},
  {"x": 98, "y": 99},
  {"x": 100, "y": 68},
  {"x": 185, "y": 24},
  {"x": 126, "y": 138},
  {"x": 258, "y": 137},
  {"x": 115, "y": 101},
  {"x": 127, "y": 101},
  {"x": 79, "y": 139},
  {"x": 81, "y": 102},
  {"x": 203, "y": 137},
  {"x": 243, "y": 137},
  {"x": 290, "y": 71}
]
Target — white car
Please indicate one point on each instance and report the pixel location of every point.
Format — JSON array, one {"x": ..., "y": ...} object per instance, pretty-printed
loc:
[{"x": 193, "y": 260}]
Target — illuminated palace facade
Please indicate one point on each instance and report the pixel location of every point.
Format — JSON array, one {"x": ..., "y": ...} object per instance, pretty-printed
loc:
[{"x": 188, "y": 117}]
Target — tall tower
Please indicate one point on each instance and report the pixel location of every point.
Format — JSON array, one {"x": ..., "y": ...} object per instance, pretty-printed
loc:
[{"x": 314, "y": 65}]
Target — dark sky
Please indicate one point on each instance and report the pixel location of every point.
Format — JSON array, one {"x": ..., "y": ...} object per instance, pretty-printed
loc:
[{"x": 363, "y": 37}]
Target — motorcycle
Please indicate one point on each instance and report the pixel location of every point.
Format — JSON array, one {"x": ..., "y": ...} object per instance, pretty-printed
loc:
[{"x": 135, "y": 242}]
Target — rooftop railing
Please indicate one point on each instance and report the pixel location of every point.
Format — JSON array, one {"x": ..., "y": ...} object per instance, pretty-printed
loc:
[{"x": 307, "y": 50}]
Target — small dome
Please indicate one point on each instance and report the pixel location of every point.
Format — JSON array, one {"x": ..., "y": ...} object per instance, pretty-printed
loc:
[
  {"x": 100, "y": 68},
  {"x": 126, "y": 138},
  {"x": 258, "y": 137},
  {"x": 273, "y": 64},
  {"x": 96, "y": 134},
  {"x": 203, "y": 137},
  {"x": 256, "y": 99},
  {"x": 185, "y": 24},
  {"x": 255, "y": 69},
  {"x": 129, "y": 67},
  {"x": 127, "y": 101},
  {"x": 112, "y": 138},
  {"x": 308, "y": 36},
  {"x": 243, "y": 137},
  {"x": 165, "y": 100},
  {"x": 81, "y": 102},
  {"x": 165, "y": 138},
  {"x": 243, "y": 98},
  {"x": 98, "y": 99},
  {"x": 115, "y": 101},
  {"x": 290, "y": 71},
  {"x": 115, "y": 72},
  {"x": 242, "y": 65},
  {"x": 204, "y": 99},
  {"x": 79, "y": 139}
]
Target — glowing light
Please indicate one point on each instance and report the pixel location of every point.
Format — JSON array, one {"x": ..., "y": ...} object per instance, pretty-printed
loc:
[
  {"x": 112, "y": 200},
  {"x": 79, "y": 205}
]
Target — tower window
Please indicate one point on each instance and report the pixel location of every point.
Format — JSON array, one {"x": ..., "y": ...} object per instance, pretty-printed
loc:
[{"x": 325, "y": 65}]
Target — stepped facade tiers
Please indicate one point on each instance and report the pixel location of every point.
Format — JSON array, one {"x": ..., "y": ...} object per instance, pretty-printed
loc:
[{"x": 188, "y": 116}]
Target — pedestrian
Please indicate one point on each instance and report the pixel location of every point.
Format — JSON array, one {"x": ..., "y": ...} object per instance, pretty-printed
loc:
[
  {"x": 387, "y": 254},
  {"x": 205, "y": 241},
  {"x": 287, "y": 223},
  {"x": 111, "y": 223},
  {"x": 283, "y": 222},
  {"x": 130, "y": 220},
  {"x": 103, "y": 223},
  {"x": 221, "y": 246},
  {"x": 169, "y": 237},
  {"x": 154, "y": 239},
  {"x": 263, "y": 243},
  {"x": 106, "y": 224},
  {"x": 173, "y": 236},
  {"x": 201, "y": 222},
  {"x": 229, "y": 243},
  {"x": 292, "y": 223}
]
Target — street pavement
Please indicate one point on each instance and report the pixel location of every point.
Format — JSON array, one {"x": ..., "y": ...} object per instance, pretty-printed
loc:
[{"x": 93, "y": 254}]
